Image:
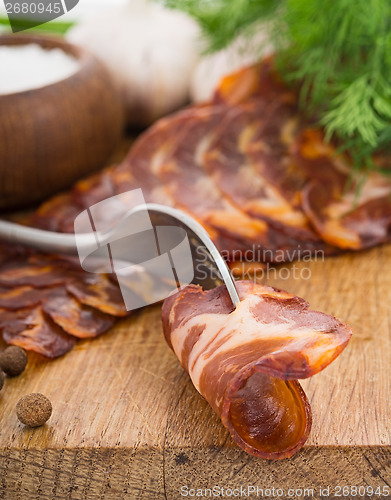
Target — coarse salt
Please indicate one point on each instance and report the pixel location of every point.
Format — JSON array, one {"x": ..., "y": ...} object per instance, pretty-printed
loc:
[{"x": 30, "y": 66}]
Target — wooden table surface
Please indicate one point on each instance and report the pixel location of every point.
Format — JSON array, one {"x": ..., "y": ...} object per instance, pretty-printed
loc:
[{"x": 127, "y": 422}]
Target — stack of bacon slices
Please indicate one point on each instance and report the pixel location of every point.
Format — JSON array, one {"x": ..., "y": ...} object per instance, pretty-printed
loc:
[
  {"x": 48, "y": 302},
  {"x": 255, "y": 174},
  {"x": 251, "y": 169}
]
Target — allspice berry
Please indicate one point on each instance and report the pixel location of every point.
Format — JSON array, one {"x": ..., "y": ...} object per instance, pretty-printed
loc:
[
  {"x": 33, "y": 409},
  {"x": 1, "y": 379},
  {"x": 13, "y": 360}
]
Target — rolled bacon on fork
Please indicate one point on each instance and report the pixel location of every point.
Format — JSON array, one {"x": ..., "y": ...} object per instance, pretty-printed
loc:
[{"x": 245, "y": 361}]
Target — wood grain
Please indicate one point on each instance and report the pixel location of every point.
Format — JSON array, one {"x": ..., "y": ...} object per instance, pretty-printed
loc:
[{"x": 127, "y": 422}]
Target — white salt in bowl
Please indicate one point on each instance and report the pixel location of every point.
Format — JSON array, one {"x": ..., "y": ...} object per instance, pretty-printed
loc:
[{"x": 61, "y": 116}]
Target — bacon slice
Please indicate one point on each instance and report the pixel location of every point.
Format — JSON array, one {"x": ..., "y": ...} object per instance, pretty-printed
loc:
[
  {"x": 269, "y": 152},
  {"x": 345, "y": 213},
  {"x": 152, "y": 148},
  {"x": 188, "y": 184},
  {"x": 18, "y": 298},
  {"x": 208, "y": 197},
  {"x": 99, "y": 292},
  {"x": 186, "y": 180},
  {"x": 250, "y": 157},
  {"x": 38, "y": 314},
  {"x": 94, "y": 188},
  {"x": 57, "y": 214},
  {"x": 33, "y": 330},
  {"x": 38, "y": 271},
  {"x": 258, "y": 175},
  {"x": 146, "y": 162},
  {"x": 68, "y": 313},
  {"x": 139, "y": 169},
  {"x": 256, "y": 80},
  {"x": 76, "y": 319},
  {"x": 245, "y": 361}
]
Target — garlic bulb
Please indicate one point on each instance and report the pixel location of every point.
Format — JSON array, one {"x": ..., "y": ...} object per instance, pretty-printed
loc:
[
  {"x": 150, "y": 50},
  {"x": 212, "y": 68}
]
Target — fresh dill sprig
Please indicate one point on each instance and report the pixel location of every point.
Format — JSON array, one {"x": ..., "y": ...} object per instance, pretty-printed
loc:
[{"x": 339, "y": 52}]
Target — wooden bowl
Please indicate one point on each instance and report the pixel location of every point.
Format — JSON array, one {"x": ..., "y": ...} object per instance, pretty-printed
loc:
[{"x": 53, "y": 135}]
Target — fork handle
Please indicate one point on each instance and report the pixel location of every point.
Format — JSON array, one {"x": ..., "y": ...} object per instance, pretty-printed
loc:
[{"x": 47, "y": 241}]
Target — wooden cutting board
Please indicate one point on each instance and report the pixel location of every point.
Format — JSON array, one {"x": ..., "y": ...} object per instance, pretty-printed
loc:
[{"x": 127, "y": 422}]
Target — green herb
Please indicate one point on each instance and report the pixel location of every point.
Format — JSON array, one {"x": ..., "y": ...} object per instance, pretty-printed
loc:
[
  {"x": 49, "y": 27},
  {"x": 339, "y": 51}
]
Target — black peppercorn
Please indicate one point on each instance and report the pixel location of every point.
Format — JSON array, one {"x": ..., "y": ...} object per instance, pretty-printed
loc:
[
  {"x": 33, "y": 409},
  {"x": 13, "y": 360}
]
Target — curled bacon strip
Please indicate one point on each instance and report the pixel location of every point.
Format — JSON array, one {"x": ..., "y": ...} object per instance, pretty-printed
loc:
[{"x": 245, "y": 361}]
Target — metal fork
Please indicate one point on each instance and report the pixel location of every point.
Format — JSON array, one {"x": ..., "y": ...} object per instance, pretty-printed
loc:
[{"x": 210, "y": 268}]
